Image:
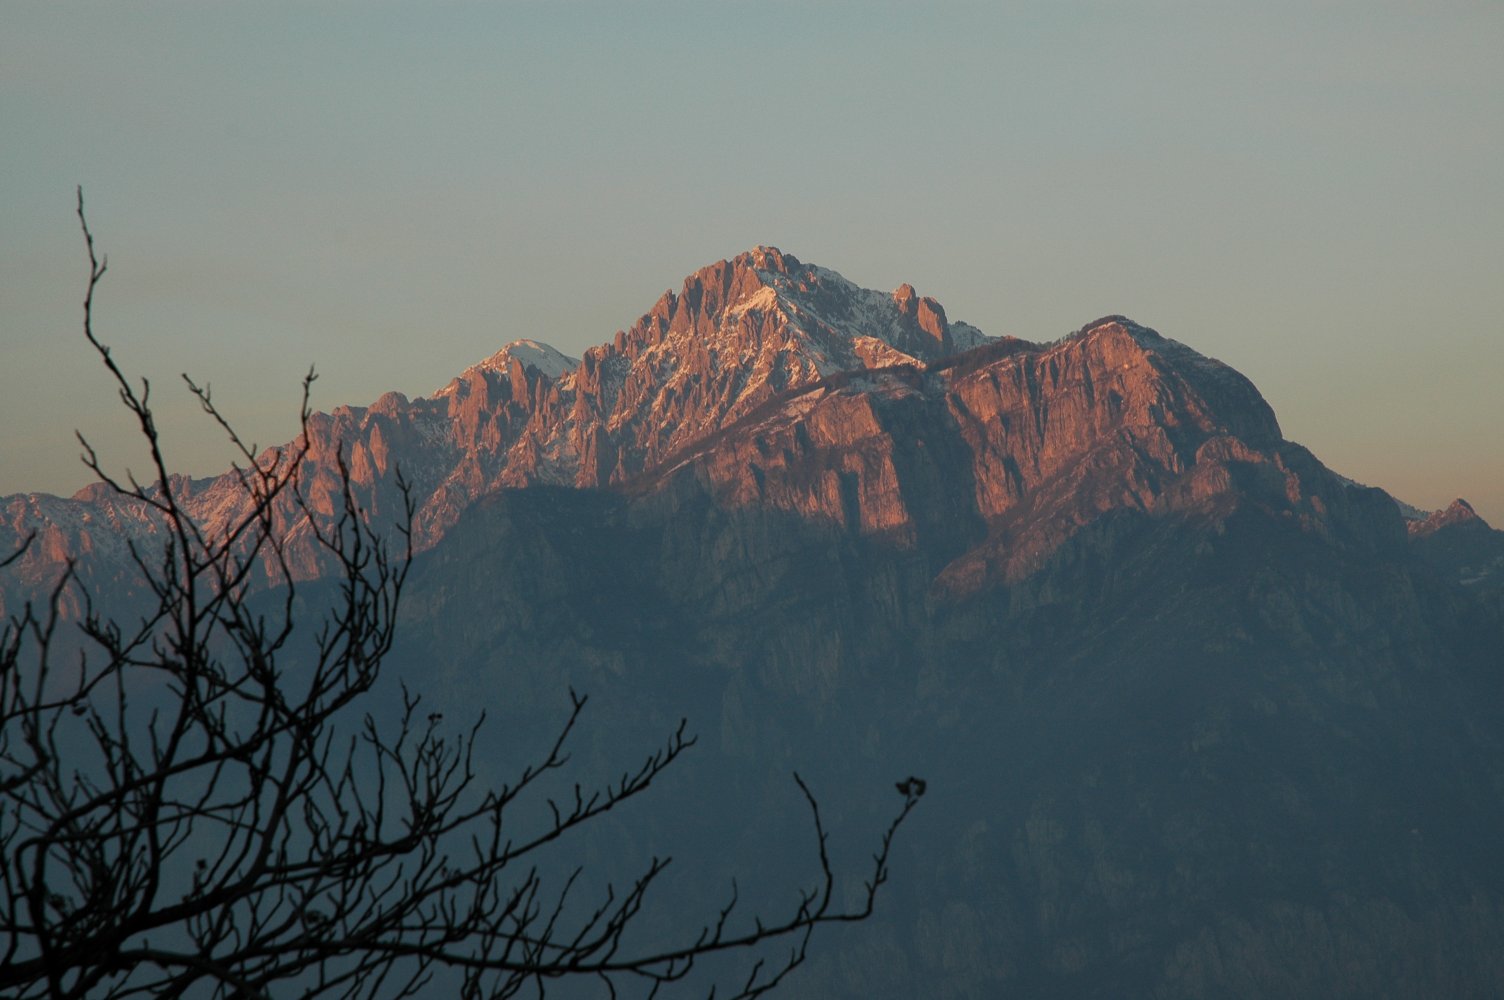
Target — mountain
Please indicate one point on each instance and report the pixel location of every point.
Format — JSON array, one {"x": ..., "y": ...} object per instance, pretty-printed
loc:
[
  {"x": 756, "y": 338},
  {"x": 737, "y": 333},
  {"x": 1198, "y": 716}
]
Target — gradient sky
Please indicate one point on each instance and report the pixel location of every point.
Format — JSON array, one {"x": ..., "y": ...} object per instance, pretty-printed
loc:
[{"x": 1309, "y": 191}]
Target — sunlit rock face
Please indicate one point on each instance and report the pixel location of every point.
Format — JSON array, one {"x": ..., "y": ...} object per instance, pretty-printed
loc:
[
  {"x": 737, "y": 333},
  {"x": 777, "y": 385},
  {"x": 760, "y": 352}
]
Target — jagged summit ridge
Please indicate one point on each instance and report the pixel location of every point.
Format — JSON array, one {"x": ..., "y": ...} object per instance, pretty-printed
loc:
[
  {"x": 781, "y": 383},
  {"x": 1458, "y": 512},
  {"x": 831, "y": 317},
  {"x": 736, "y": 334},
  {"x": 903, "y": 320}
]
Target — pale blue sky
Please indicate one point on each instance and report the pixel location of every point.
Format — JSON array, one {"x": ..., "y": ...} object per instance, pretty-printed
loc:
[{"x": 1308, "y": 191}]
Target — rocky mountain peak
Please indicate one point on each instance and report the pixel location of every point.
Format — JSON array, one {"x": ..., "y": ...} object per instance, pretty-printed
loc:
[
  {"x": 547, "y": 360},
  {"x": 1459, "y": 543},
  {"x": 765, "y": 258},
  {"x": 788, "y": 387},
  {"x": 925, "y": 313},
  {"x": 1117, "y": 321},
  {"x": 1458, "y": 512}
]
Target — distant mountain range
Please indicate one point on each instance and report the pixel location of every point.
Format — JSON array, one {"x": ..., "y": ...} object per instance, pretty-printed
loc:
[{"x": 1200, "y": 717}]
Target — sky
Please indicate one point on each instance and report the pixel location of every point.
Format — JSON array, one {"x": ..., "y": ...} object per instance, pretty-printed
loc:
[{"x": 1309, "y": 191}]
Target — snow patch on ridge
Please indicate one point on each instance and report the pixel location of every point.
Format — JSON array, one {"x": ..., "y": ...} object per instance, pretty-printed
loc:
[
  {"x": 762, "y": 300},
  {"x": 547, "y": 359},
  {"x": 544, "y": 357},
  {"x": 836, "y": 309}
]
